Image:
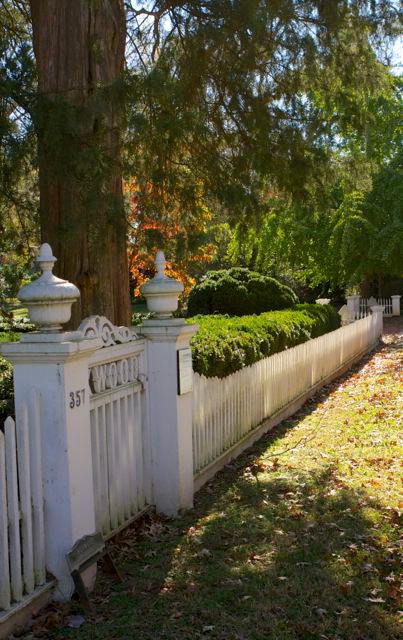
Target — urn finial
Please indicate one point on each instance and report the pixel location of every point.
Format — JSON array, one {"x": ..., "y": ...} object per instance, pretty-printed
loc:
[
  {"x": 48, "y": 298},
  {"x": 162, "y": 292},
  {"x": 46, "y": 259},
  {"x": 160, "y": 265}
]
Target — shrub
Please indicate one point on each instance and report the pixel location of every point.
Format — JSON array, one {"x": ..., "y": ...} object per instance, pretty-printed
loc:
[
  {"x": 6, "y": 390},
  {"x": 238, "y": 292},
  {"x": 6, "y": 381},
  {"x": 226, "y": 344},
  {"x": 15, "y": 325}
]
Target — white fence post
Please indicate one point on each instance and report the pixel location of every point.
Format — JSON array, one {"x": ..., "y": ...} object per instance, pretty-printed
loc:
[
  {"x": 396, "y": 305},
  {"x": 58, "y": 372},
  {"x": 170, "y": 387},
  {"x": 345, "y": 315},
  {"x": 377, "y": 311},
  {"x": 170, "y": 413},
  {"x": 53, "y": 366},
  {"x": 353, "y": 306}
]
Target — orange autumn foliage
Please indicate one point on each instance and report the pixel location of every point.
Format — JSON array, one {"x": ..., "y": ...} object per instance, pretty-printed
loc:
[{"x": 142, "y": 247}]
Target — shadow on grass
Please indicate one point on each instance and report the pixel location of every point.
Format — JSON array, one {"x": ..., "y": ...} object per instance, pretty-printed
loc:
[{"x": 292, "y": 557}]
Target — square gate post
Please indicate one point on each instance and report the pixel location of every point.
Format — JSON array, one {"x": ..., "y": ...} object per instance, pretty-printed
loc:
[
  {"x": 377, "y": 312},
  {"x": 353, "y": 306},
  {"x": 170, "y": 386},
  {"x": 57, "y": 374},
  {"x": 396, "y": 305},
  {"x": 52, "y": 366},
  {"x": 170, "y": 412}
]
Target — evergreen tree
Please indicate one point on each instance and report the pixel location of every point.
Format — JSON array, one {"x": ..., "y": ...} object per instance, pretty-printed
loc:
[{"x": 223, "y": 102}]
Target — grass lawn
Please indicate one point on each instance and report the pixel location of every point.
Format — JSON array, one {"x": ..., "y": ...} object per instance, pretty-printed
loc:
[{"x": 297, "y": 539}]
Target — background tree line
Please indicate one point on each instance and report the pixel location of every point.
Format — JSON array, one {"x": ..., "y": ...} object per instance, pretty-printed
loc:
[{"x": 260, "y": 132}]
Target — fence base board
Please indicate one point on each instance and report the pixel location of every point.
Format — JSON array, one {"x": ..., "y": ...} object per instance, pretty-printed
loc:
[
  {"x": 148, "y": 509},
  {"x": 20, "y": 613},
  {"x": 250, "y": 438}
]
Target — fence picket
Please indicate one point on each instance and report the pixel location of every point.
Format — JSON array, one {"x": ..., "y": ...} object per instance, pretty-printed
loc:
[
  {"x": 131, "y": 444},
  {"x": 5, "y": 591},
  {"x": 24, "y": 475},
  {"x": 138, "y": 451},
  {"x": 38, "y": 524},
  {"x": 13, "y": 511}
]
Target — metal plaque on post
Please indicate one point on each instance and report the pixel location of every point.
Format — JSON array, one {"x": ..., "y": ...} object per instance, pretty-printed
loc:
[{"x": 185, "y": 371}]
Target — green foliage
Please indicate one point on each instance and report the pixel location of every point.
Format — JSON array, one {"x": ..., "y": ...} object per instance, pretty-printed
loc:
[
  {"x": 13, "y": 275},
  {"x": 225, "y": 103},
  {"x": 229, "y": 99},
  {"x": 6, "y": 380},
  {"x": 11, "y": 326},
  {"x": 238, "y": 292},
  {"x": 18, "y": 171},
  {"x": 10, "y": 330},
  {"x": 224, "y": 345},
  {"x": 367, "y": 236},
  {"x": 353, "y": 232},
  {"x": 6, "y": 390}
]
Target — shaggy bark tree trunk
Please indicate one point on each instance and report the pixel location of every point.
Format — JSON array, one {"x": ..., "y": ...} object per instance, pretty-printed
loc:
[{"x": 79, "y": 50}]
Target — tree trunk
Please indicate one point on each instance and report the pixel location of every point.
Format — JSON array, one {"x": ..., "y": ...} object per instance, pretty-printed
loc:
[{"x": 79, "y": 49}]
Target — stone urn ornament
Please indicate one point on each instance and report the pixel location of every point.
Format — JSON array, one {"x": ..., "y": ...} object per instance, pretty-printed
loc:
[
  {"x": 161, "y": 292},
  {"x": 48, "y": 299}
]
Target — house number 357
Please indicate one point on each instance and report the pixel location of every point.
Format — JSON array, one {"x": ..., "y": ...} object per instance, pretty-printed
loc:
[{"x": 77, "y": 398}]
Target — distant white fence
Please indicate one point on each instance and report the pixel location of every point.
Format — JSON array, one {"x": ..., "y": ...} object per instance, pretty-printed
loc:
[
  {"x": 226, "y": 410},
  {"x": 386, "y": 303},
  {"x": 22, "y": 538}
]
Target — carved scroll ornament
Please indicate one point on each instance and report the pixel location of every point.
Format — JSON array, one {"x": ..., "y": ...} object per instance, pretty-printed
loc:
[{"x": 101, "y": 327}]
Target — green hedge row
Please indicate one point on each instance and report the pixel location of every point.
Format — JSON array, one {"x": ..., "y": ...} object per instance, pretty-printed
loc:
[{"x": 226, "y": 344}]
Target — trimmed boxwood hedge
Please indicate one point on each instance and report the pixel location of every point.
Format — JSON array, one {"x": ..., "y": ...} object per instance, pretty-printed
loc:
[
  {"x": 226, "y": 344},
  {"x": 238, "y": 292}
]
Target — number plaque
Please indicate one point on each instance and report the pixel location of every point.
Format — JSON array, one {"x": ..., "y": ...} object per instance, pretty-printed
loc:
[{"x": 76, "y": 398}]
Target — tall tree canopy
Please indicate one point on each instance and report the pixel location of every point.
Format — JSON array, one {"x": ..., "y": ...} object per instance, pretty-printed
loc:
[
  {"x": 222, "y": 102},
  {"x": 353, "y": 234}
]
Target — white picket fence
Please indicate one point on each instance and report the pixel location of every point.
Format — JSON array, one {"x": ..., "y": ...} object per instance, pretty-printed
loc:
[
  {"x": 22, "y": 538},
  {"x": 365, "y": 304},
  {"x": 132, "y": 412},
  {"x": 226, "y": 410}
]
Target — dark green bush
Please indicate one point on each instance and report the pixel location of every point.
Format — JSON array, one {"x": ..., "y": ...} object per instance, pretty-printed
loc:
[
  {"x": 6, "y": 381},
  {"x": 225, "y": 344},
  {"x": 238, "y": 292}
]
